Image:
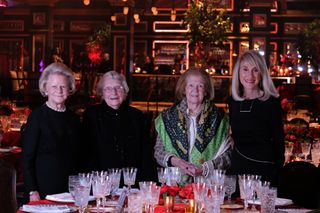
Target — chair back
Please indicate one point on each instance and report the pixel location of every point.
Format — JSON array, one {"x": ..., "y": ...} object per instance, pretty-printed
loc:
[
  {"x": 299, "y": 181},
  {"x": 8, "y": 200}
]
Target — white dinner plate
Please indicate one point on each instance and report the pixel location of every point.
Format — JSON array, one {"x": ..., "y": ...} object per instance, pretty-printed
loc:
[
  {"x": 279, "y": 202},
  {"x": 64, "y": 198}
]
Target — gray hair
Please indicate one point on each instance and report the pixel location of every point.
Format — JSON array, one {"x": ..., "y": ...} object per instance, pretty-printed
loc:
[
  {"x": 60, "y": 69},
  {"x": 113, "y": 75},
  {"x": 266, "y": 84}
]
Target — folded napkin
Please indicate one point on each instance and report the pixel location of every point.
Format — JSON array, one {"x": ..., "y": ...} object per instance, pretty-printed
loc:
[
  {"x": 47, "y": 208},
  {"x": 62, "y": 197}
]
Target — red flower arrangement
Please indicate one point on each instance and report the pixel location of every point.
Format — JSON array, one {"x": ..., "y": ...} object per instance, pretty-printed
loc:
[{"x": 187, "y": 192}]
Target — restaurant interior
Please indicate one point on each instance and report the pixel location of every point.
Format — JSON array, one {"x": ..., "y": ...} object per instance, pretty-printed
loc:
[{"x": 152, "y": 42}]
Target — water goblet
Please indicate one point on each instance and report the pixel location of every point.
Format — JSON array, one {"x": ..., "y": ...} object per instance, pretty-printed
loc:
[
  {"x": 145, "y": 187},
  {"x": 305, "y": 148},
  {"x": 255, "y": 184},
  {"x": 129, "y": 175},
  {"x": 85, "y": 179},
  {"x": 115, "y": 175},
  {"x": 73, "y": 181},
  {"x": 315, "y": 156},
  {"x": 230, "y": 185},
  {"x": 217, "y": 177},
  {"x": 247, "y": 185},
  {"x": 153, "y": 196},
  {"x": 288, "y": 152},
  {"x": 81, "y": 197},
  {"x": 162, "y": 175},
  {"x": 200, "y": 191},
  {"x": 101, "y": 186},
  {"x": 174, "y": 176}
]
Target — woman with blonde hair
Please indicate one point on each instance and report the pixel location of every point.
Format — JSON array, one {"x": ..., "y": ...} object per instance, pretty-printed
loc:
[{"x": 256, "y": 119}]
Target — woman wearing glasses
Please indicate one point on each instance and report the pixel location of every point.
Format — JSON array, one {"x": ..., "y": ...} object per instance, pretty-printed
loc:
[
  {"x": 50, "y": 137},
  {"x": 115, "y": 132}
]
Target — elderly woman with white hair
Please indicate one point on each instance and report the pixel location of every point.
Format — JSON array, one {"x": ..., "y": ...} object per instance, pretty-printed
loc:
[
  {"x": 116, "y": 133},
  {"x": 51, "y": 136}
]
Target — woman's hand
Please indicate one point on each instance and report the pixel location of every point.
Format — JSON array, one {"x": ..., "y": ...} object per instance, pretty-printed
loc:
[
  {"x": 187, "y": 167},
  {"x": 34, "y": 196}
]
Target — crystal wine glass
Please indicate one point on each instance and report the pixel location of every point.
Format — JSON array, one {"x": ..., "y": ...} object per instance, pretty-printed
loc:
[
  {"x": 288, "y": 152},
  {"x": 255, "y": 187},
  {"x": 305, "y": 148},
  {"x": 115, "y": 175},
  {"x": 101, "y": 185},
  {"x": 129, "y": 175},
  {"x": 247, "y": 185},
  {"x": 200, "y": 191},
  {"x": 81, "y": 196},
  {"x": 174, "y": 176},
  {"x": 230, "y": 185},
  {"x": 162, "y": 175},
  {"x": 72, "y": 183},
  {"x": 217, "y": 177}
]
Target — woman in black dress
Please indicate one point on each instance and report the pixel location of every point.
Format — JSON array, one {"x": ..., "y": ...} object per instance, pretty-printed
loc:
[
  {"x": 50, "y": 137},
  {"x": 116, "y": 133},
  {"x": 256, "y": 119}
]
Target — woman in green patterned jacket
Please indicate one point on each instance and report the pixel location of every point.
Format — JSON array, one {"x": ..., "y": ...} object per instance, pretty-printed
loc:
[{"x": 193, "y": 134}]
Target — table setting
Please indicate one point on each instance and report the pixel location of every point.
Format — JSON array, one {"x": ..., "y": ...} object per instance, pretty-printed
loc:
[{"x": 202, "y": 195}]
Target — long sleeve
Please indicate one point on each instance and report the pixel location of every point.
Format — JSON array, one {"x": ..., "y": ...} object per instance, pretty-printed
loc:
[
  {"x": 29, "y": 146},
  {"x": 160, "y": 154},
  {"x": 278, "y": 132}
]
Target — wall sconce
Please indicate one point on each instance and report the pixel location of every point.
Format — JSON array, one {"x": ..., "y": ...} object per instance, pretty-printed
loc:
[
  {"x": 173, "y": 15},
  {"x": 86, "y": 2},
  {"x": 154, "y": 11},
  {"x": 136, "y": 18},
  {"x": 113, "y": 18},
  {"x": 125, "y": 10}
]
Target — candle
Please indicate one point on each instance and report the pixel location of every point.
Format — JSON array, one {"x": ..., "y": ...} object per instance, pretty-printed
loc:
[
  {"x": 169, "y": 203},
  {"x": 191, "y": 206}
]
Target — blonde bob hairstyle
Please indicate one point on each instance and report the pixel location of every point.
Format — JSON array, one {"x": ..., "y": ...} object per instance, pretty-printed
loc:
[
  {"x": 183, "y": 80},
  {"x": 113, "y": 75},
  {"x": 58, "y": 69},
  {"x": 266, "y": 84}
]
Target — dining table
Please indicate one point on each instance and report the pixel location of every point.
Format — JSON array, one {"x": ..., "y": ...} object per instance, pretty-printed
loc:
[{"x": 236, "y": 206}]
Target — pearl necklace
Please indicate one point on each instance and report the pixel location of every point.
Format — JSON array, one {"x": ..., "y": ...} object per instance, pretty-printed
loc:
[{"x": 55, "y": 108}]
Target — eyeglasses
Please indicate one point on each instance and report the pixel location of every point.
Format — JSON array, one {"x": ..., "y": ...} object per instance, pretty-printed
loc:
[{"x": 116, "y": 88}]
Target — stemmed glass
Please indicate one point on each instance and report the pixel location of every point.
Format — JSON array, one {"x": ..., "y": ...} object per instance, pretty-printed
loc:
[
  {"x": 115, "y": 175},
  {"x": 129, "y": 175},
  {"x": 217, "y": 177},
  {"x": 230, "y": 185},
  {"x": 72, "y": 184},
  {"x": 101, "y": 186},
  {"x": 174, "y": 176},
  {"x": 81, "y": 196},
  {"x": 247, "y": 189},
  {"x": 162, "y": 175},
  {"x": 200, "y": 191},
  {"x": 305, "y": 148},
  {"x": 144, "y": 187},
  {"x": 288, "y": 152},
  {"x": 85, "y": 179},
  {"x": 255, "y": 188}
]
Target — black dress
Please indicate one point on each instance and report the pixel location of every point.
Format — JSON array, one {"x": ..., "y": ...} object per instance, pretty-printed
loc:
[
  {"x": 258, "y": 135},
  {"x": 117, "y": 139},
  {"x": 49, "y": 150}
]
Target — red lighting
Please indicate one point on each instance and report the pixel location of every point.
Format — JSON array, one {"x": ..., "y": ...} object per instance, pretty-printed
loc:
[{"x": 3, "y": 3}]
